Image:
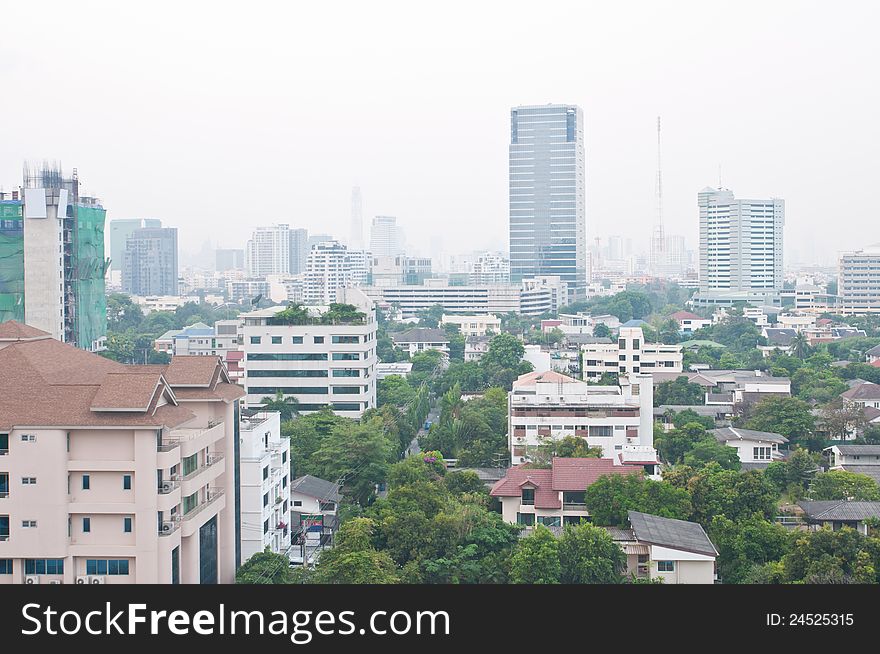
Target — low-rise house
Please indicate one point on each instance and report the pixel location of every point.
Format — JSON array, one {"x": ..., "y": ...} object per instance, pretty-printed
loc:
[
  {"x": 840, "y": 513},
  {"x": 732, "y": 386},
  {"x": 477, "y": 325},
  {"x": 778, "y": 338},
  {"x": 475, "y": 347},
  {"x": 420, "y": 339},
  {"x": 689, "y": 322},
  {"x": 860, "y": 459},
  {"x": 755, "y": 449},
  {"x": 313, "y": 516},
  {"x": 552, "y": 497},
  {"x": 873, "y": 354},
  {"x": 865, "y": 394},
  {"x": 400, "y": 368},
  {"x": 676, "y": 551},
  {"x": 165, "y": 342}
]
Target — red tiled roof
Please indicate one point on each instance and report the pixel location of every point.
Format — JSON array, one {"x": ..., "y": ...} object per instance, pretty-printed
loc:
[
  {"x": 192, "y": 370},
  {"x": 876, "y": 363},
  {"x": 866, "y": 391},
  {"x": 15, "y": 331},
  {"x": 564, "y": 475},
  {"x": 549, "y": 376},
  {"x": 686, "y": 315},
  {"x": 126, "y": 390}
]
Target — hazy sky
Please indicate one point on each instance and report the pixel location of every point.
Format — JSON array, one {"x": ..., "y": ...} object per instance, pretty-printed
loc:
[{"x": 218, "y": 117}]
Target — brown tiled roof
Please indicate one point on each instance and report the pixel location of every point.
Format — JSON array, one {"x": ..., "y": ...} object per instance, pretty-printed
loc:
[
  {"x": 866, "y": 391},
  {"x": 564, "y": 475},
  {"x": 14, "y": 330},
  {"x": 530, "y": 378},
  {"x": 223, "y": 391},
  {"x": 192, "y": 370},
  {"x": 685, "y": 315},
  {"x": 47, "y": 383},
  {"x": 127, "y": 390}
]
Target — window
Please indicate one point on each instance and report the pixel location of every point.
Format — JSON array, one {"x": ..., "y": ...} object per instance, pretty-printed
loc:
[
  {"x": 86, "y": 482},
  {"x": 346, "y": 390},
  {"x": 190, "y": 464},
  {"x": 44, "y": 566},
  {"x": 126, "y": 525},
  {"x": 635, "y": 344},
  {"x": 286, "y": 373},
  {"x": 297, "y": 502},
  {"x": 175, "y": 565},
  {"x": 4, "y": 444},
  {"x": 287, "y": 356},
  {"x": 621, "y": 343},
  {"x": 665, "y": 566},
  {"x": 256, "y": 340},
  {"x": 4, "y": 527},
  {"x": 265, "y": 473},
  {"x": 29, "y": 481},
  {"x": 527, "y": 519},
  {"x": 528, "y": 496},
  {"x": 762, "y": 453},
  {"x": 601, "y": 431},
  {"x": 126, "y": 482},
  {"x": 276, "y": 340},
  {"x": 5, "y": 566},
  {"x": 28, "y": 524},
  {"x": 345, "y": 339},
  {"x": 550, "y": 520},
  {"x": 573, "y": 497},
  {"x": 4, "y": 485},
  {"x": 346, "y": 406},
  {"x": 284, "y": 482},
  {"x": 107, "y": 567},
  {"x": 346, "y": 356},
  {"x": 190, "y": 502},
  {"x": 87, "y": 525},
  {"x": 296, "y": 340},
  {"x": 266, "y": 527},
  {"x": 319, "y": 339},
  {"x": 266, "y": 499},
  {"x": 346, "y": 372},
  {"x": 287, "y": 390}
]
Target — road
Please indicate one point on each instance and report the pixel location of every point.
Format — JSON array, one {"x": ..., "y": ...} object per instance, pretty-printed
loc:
[{"x": 413, "y": 448}]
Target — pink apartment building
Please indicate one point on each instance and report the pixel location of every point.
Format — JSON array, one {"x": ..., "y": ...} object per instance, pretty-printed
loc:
[{"x": 111, "y": 473}]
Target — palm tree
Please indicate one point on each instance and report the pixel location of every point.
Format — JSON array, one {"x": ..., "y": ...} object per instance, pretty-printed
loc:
[
  {"x": 800, "y": 346},
  {"x": 286, "y": 406}
]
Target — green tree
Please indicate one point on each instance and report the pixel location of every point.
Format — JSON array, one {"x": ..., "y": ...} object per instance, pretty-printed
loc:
[
  {"x": 265, "y": 568},
  {"x": 679, "y": 391},
  {"x": 710, "y": 450},
  {"x": 800, "y": 346},
  {"x": 431, "y": 316},
  {"x": 353, "y": 559},
  {"x": 673, "y": 445},
  {"x": 843, "y": 485},
  {"x": 610, "y": 498},
  {"x": 567, "y": 447},
  {"x": 601, "y": 330},
  {"x": 459, "y": 482},
  {"x": 536, "y": 559},
  {"x": 715, "y": 491},
  {"x": 826, "y": 556},
  {"x": 286, "y": 406},
  {"x": 588, "y": 555},
  {"x": 788, "y": 416},
  {"x": 743, "y": 545},
  {"x": 394, "y": 390}
]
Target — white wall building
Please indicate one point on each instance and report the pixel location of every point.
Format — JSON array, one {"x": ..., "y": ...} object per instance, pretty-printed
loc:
[
  {"x": 473, "y": 325},
  {"x": 265, "y": 484},
  {"x": 629, "y": 354},
  {"x": 318, "y": 364},
  {"x": 754, "y": 448},
  {"x": 740, "y": 246},
  {"x": 619, "y": 419},
  {"x": 268, "y": 251},
  {"x": 859, "y": 281},
  {"x": 331, "y": 266},
  {"x": 386, "y": 237}
]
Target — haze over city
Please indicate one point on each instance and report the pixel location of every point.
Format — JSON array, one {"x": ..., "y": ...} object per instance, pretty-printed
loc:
[{"x": 221, "y": 121}]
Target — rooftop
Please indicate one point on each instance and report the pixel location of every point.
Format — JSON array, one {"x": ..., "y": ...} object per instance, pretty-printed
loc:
[
  {"x": 315, "y": 487},
  {"x": 726, "y": 434},
  {"x": 421, "y": 335},
  {"x": 864, "y": 391},
  {"x": 842, "y": 510},
  {"x": 667, "y": 532}
]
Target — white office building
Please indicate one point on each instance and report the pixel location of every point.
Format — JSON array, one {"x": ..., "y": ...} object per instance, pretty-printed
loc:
[
  {"x": 265, "y": 484},
  {"x": 317, "y": 363},
  {"x": 331, "y": 266},
  {"x": 629, "y": 354},
  {"x": 740, "y": 249},
  {"x": 386, "y": 237},
  {"x": 859, "y": 281}
]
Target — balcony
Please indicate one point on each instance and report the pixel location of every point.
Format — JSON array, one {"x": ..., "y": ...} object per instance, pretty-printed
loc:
[
  {"x": 574, "y": 506},
  {"x": 214, "y": 495},
  {"x": 169, "y": 526},
  {"x": 203, "y": 475},
  {"x": 194, "y": 440}
]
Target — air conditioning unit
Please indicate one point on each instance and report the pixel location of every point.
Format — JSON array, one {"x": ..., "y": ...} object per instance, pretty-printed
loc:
[
  {"x": 32, "y": 579},
  {"x": 167, "y": 486},
  {"x": 96, "y": 580},
  {"x": 167, "y": 527},
  {"x": 82, "y": 579},
  {"x": 55, "y": 582}
]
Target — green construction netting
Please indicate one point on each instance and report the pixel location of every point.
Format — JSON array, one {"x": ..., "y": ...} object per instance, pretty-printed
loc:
[
  {"x": 11, "y": 261},
  {"x": 89, "y": 267}
]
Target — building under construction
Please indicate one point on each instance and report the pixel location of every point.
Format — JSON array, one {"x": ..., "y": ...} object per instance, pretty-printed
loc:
[{"x": 52, "y": 262}]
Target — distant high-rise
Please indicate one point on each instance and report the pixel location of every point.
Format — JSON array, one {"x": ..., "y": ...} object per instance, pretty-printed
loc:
[
  {"x": 859, "y": 281},
  {"x": 268, "y": 251},
  {"x": 386, "y": 237},
  {"x": 490, "y": 269},
  {"x": 299, "y": 250},
  {"x": 120, "y": 230},
  {"x": 331, "y": 266},
  {"x": 548, "y": 234},
  {"x": 228, "y": 259},
  {"x": 356, "y": 238},
  {"x": 740, "y": 247},
  {"x": 150, "y": 263},
  {"x": 57, "y": 289}
]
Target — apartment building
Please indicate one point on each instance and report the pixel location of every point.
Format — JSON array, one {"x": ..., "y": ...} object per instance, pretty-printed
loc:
[
  {"x": 419, "y": 339},
  {"x": 473, "y": 325},
  {"x": 619, "y": 419},
  {"x": 629, "y": 354},
  {"x": 860, "y": 459},
  {"x": 322, "y": 359},
  {"x": 330, "y": 266},
  {"x": 858, "y": 285},
  {"x": 200, "y": 339},
  {"x": 265, "y": 484},
  {"x": 115, "y": 474}
]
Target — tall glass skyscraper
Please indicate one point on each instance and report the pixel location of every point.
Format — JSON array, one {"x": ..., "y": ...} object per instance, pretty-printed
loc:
[{"x": 548, "y": 232}]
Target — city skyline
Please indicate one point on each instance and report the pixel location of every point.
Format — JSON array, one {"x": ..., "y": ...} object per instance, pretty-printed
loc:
[{"x": 789, "y": 145}]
